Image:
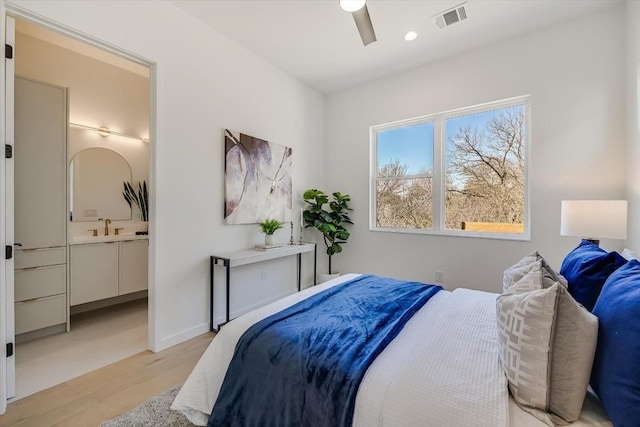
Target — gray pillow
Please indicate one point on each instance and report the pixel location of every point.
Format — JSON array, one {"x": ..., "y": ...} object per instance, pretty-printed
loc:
[
  {"x": 548, "y": 276},
  {"x": 547, "y": 345}
]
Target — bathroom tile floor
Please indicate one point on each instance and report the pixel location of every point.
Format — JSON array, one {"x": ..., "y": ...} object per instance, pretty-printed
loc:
[{"x": 97, "y": 338}]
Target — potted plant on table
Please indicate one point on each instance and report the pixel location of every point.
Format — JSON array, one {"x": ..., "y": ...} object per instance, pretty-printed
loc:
[
  {"x": 331, "y": 223},
  {"x": 268, "y": 227}
]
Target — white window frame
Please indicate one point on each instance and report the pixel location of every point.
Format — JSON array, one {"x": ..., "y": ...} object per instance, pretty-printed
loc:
[{"x": 439, "y": 143}]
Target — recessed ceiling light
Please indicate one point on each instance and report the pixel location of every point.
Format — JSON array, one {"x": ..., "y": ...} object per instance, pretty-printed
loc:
[
  {"x": 411, "y": 35},
  {"x": 351, "y": 5}
]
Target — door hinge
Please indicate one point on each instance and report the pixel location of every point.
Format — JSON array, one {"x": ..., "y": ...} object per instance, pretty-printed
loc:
[
  {"x": 8, "y": 51},
  {"x": 9, "y": 349},
  {"x": 8, "y": 151},
  {"x": 8, "y": 252}
]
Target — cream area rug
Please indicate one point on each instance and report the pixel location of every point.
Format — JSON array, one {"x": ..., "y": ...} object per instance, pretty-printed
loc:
[{"x": 152, "y": 413}]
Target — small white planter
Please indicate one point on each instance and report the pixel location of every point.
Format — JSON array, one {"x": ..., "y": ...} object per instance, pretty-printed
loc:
[
  {"x": 324, "y": 277},
  {"x": 268, "y": 239}
]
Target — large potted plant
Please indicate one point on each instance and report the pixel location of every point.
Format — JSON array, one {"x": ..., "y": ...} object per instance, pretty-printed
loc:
[{"x": 330, "y": 222}]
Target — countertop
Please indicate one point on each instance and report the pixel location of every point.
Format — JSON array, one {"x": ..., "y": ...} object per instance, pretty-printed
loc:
[{"x": 84, "y": 240}]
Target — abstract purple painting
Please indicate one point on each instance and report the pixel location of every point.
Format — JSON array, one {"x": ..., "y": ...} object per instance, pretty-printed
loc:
[{"x": 257, "y": 179}]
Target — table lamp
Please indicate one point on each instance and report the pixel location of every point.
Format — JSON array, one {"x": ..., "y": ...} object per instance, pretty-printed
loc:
[{"x": 594, "y": 219}]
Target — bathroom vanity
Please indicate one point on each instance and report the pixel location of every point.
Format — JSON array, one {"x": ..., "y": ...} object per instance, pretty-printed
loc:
[{"x": 107, "y": 267}]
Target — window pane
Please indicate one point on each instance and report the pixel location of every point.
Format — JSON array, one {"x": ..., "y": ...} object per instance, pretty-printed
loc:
[
  {"x": 409, "y": 150},
  {"x": 485, "y": 170},
  {"x": 405, "y": 155},
  {"x": 404, "y": 203}
]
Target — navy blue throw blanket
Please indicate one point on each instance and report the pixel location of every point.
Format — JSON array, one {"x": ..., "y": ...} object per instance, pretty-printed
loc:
[{"x": 303, "y": 366}]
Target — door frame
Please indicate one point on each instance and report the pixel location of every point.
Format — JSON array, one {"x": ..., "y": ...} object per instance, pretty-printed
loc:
[
  {"x": 15, "y": 11},
  {"x": 7, "y": 365}
]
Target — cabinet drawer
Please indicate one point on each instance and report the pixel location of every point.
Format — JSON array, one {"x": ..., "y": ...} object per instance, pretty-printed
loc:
[
  {"x": 39, "y": 257},
  {"x": 41, "y": 313},
  {"x": 40, "y": 282}
]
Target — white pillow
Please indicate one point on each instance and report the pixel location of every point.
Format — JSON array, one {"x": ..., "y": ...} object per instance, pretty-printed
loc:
[
  {"x": 628, "y": 254},
  {"x": 532, "y": 262},
  {"x": 547, "y": 346}
]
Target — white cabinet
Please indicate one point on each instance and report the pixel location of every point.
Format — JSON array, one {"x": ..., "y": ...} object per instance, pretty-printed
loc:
[
  {"x": 40, "y": 211},
  {"x": 41, "y": 297},
  {"x": 106, "y": 270},
  {"x": 94, "y": 272},
  {"x": 133, "y": 266},
  {"x": 40, "y": 165}
]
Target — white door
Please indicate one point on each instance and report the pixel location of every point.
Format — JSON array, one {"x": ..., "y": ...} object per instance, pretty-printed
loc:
[{"x": 7, "y": 327}]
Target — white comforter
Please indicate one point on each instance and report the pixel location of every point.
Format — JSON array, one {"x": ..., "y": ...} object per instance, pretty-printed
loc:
[{"x": 441, "y": 370}]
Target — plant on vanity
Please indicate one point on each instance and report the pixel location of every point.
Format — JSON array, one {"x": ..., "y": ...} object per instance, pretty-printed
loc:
[
  {"x": 141, "y": 198},
  {"x": 268, "y": 227},
  {"x": 329, "y": 222}
]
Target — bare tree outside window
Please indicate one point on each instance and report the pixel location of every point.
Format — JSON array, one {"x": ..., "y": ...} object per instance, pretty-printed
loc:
[
  {"x": 482, "y": 173},
  {"x": 485, "y": 169},
  {"x": 404, "y": 202},
  {"x": 404, "y": 183}
]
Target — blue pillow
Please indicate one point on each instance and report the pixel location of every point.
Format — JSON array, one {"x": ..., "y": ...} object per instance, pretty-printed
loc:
[
  {"x": 616, "y": 368},
  {"x": 586, "y": 268}
]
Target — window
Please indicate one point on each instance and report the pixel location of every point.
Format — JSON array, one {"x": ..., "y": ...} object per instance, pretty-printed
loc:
[
  {"x": 460, "y": 172},
  {"x": 404, "y": 181}
]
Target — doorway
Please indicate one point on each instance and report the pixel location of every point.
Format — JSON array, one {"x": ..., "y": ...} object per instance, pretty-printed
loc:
[{"x": 93, "y": 124}]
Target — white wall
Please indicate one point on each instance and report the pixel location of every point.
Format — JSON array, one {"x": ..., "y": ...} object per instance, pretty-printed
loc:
[
  {"x": 573, "y": 72},
  {"x": 205, "y": 83},
  {"x": 632, "y": 78}
]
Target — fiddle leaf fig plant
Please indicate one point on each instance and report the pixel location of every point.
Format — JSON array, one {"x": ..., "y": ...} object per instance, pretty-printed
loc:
[{"x": 330, "y": 222}]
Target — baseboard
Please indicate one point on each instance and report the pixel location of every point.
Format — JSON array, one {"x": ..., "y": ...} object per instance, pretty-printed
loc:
[
  {"x": 77, "y": 309},
  {"x": 180, "y": 337},
  {"x": 203, "y": 328},
  {"x": 239, "y": 312},
  {"x": 41, "y": 333}
]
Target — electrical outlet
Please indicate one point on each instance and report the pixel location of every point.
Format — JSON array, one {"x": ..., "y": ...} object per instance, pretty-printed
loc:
[
  {"x": 439, "y": 277},
  {"x": 90, "y": 212},
  {"x": 263, "y": 275}
]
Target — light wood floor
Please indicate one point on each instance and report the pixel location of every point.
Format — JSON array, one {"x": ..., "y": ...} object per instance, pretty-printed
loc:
[
  {"x": 110, "y": 391},
  {"x": 97, "y": 339}
]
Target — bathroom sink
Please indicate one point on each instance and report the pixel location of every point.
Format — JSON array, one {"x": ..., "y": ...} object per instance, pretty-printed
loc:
[{"x": 75, "y": 240}]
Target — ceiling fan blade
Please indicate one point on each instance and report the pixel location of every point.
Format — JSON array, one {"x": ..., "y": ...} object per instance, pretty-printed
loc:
[{"x": 365, "y": 27}]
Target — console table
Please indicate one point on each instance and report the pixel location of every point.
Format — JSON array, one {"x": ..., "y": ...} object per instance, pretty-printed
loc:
[{"x": 251, "y": 256}]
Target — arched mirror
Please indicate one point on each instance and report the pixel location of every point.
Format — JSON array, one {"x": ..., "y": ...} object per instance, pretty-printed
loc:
[{"x": 96, "y": 176}]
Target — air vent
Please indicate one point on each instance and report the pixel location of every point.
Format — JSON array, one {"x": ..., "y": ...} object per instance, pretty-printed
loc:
[{"x": 451, "y": 16}]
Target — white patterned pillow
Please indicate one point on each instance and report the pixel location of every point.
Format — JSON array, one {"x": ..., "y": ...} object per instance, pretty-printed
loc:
[
  {"x": 548, "y": 276},
  {"x": 547, "y": 345}
]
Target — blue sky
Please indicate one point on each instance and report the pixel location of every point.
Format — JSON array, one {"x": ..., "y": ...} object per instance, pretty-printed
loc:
[{"x": 413, "y": 146}]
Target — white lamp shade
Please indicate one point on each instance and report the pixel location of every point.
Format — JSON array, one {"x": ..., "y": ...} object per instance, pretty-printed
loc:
[{"x": 597, "y": 219}]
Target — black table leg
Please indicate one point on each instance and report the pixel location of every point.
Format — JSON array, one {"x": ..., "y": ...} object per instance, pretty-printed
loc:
[
  {"x": 315, "y": 260},
  {"x": 299, "y": 270},
  {"x": 212, "y": 269},
  {"x": 228, "y": 265}
]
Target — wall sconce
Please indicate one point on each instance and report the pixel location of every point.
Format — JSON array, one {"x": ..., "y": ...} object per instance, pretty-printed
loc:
[
  {"x": 105, "y": 131},
  {"x": 595, "y": 219}
]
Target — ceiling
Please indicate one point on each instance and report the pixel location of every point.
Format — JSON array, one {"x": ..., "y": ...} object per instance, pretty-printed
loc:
[{"x": 317, "y": 42}]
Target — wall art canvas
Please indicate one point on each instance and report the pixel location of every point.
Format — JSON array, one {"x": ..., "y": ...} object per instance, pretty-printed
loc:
[{"x": 257, "y": 179}]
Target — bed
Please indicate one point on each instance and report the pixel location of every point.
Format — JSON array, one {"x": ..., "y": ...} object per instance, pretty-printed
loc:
[{"x": 447, "y": 374}]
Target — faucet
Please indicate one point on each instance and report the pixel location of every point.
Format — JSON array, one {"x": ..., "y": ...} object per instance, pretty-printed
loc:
[{"x": 107, "y": 221}]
